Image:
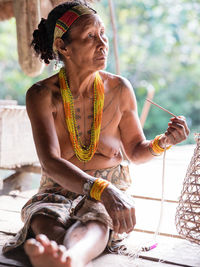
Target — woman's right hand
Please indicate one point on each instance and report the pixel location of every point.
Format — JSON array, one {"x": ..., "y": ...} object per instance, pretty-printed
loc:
[{"x": 121, "y": 209}]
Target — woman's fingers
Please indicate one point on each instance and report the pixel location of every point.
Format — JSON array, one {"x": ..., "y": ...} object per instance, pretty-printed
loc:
[
  {"x": 175, "y": 134},
  {"x": 124, "y": 220},
  {"x": 130, "y": 219},
  {"x": 116, "y": 224},
  {"x": 181, "y": 123},
  {"x": 121, "y": 209},
  {"x": 123, "y": 223},
  {"x": 133, "y": 217},
  {"x": 177, "y": 130}
]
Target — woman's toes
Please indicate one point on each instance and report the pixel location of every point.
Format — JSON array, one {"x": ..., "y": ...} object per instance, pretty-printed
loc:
[
  {"x": 43, "y": 239},
  {"x": 45, "y": 253},
  {"x": 50, "y": 246},
  {"x": 33, "y": 247},
  {"x": 62, "y": 253},
  {"x": 68, "y": 261}
]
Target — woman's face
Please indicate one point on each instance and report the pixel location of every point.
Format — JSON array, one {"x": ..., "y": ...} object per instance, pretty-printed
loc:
[{"x": 89, "y": 45}]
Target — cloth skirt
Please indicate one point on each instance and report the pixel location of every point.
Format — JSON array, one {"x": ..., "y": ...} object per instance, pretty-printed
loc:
[{"x": 67, "y": 207}]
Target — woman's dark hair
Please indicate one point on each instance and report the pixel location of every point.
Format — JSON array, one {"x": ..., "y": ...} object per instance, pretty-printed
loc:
[{"x": 43, "y": 37}]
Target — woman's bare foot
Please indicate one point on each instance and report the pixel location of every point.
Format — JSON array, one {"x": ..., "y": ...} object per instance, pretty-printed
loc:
[{"x": 43, "y": 252}]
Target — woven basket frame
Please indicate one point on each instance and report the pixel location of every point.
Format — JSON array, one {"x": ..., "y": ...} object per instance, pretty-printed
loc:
[{"x": 188, "y": 211}]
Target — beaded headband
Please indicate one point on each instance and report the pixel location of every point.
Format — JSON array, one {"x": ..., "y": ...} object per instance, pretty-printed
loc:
[{"x": 64, "y": 22}]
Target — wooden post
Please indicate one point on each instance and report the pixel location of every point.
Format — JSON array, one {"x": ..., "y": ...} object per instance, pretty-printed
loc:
[
  {"x": 150, "y": 94},
  {"x": 27, "y": 14},
  {"x": 114, "y": 28}
]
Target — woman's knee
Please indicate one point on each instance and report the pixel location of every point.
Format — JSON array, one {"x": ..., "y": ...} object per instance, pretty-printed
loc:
[
  {"x": 41, "y": 224},
  {"x": 38, "y": 223},
  {"x": 98, "y": 226}
]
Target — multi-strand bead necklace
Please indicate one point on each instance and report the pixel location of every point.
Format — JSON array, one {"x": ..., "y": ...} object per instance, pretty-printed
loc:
[{"x": 83, "y": 153}]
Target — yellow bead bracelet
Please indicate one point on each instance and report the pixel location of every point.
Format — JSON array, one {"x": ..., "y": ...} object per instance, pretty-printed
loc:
[
  {"x": 155, "y": 146},
  {"x": 98, "y": 188}
]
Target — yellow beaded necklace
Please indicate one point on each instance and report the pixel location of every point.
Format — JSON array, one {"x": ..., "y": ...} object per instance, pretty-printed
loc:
[{"x": 83, "y": 153}]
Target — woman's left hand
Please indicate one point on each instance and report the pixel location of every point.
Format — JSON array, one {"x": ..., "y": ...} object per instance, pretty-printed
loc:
[{"x": 176, "y": 132}]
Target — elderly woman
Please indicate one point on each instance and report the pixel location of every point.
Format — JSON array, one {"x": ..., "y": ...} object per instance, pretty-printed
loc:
[{"x": 80, "y": 119}]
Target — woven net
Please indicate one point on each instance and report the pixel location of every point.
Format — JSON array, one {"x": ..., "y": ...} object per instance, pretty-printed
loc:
[{"x": 188, "y": 211}]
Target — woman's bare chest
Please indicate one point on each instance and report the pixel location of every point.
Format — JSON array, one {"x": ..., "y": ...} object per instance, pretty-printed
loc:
[{"x": 109, "y": 140}]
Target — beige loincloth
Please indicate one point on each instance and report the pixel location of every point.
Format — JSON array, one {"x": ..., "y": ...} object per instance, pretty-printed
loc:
[{"x": 67, "y": 207}]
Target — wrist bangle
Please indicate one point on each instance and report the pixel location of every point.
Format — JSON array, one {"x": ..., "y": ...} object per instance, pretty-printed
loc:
[
  {"x": 155, "y": 148},
  {"x": 97, "y": 188}
]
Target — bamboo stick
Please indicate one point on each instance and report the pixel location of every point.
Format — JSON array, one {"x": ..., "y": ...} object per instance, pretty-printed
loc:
[{"x": 160, "y": 107}]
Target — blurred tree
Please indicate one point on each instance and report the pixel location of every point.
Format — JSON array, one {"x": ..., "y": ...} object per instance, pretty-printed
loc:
[
  {"x": 159, "y": 45},
  {"x": 14, "y": 83}
]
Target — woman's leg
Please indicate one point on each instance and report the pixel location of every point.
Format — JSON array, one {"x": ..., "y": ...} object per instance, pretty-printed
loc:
[
  {"x": 82, "y": 243},
  {"x": 86, "y": 240}
]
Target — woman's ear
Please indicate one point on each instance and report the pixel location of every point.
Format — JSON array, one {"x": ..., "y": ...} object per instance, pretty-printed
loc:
[{"x": 61, "y": 47}]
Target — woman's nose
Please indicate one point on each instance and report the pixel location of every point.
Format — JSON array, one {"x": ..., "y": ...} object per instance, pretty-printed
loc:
[{"x": 102, "y": 42}]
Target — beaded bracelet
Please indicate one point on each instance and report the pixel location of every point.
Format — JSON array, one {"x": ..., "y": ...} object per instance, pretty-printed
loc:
[
  {"x": 98, "y": 188},
  {"x": 155, "y": 148}
]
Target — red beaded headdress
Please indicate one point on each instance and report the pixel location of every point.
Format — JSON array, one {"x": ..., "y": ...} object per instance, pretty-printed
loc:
[{"x": 63, "y": 23}]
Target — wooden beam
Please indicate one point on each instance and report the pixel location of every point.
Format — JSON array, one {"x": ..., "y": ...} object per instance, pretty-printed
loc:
[
  {"x": 162, "y": 261},
  {"x": 162, "y": 234},
  {"x": 156, "y": 199}
]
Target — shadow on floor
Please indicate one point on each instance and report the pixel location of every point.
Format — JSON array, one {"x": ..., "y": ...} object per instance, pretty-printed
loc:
[{"x": 16, "y": 257}]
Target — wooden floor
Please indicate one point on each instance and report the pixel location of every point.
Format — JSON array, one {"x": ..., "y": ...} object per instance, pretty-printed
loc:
[{"x": 146, "y": 183}]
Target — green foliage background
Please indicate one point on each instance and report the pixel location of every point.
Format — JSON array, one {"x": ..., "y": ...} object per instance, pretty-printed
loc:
[{"x": 159, "y": 46}]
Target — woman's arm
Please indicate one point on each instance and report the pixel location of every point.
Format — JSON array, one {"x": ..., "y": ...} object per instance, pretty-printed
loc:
[
  {"x": 40, "y": 110},
  {"x": 135, "y": 144}
]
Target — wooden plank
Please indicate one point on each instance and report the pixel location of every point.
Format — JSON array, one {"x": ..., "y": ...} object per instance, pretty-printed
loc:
[
  {"x": 174, "y": 250},
  {"x": 9, "y": 203},
  {"x": 10, "y": 210},
  {"x": 147, "y": 177},
  {"x": 148, "y": 214},
  {"x": 110, "y": 260},
  {"x": 3, "y": 238},
  {"x": 10, "y": 221}
]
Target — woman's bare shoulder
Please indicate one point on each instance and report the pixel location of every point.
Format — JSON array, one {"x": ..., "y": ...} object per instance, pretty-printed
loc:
[
  {"x": 127, "y": 95},
  {"x": 44, "y": 88},
  {"x": 117, "y": 81},
  {"x": 40, "y": 95}
]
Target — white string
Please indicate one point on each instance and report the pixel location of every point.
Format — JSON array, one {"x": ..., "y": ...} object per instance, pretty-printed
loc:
[
  {"x": 162, "y": 197},
  {"x": 156, "y": 233},
  {"x": 146, "y": 248}
]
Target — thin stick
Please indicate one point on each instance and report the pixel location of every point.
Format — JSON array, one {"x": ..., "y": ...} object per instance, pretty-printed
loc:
[{"x": 160, "y": 107}]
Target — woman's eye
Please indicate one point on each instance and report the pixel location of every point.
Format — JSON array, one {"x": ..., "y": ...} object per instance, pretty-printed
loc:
[{"x": 91, "y": 35}]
